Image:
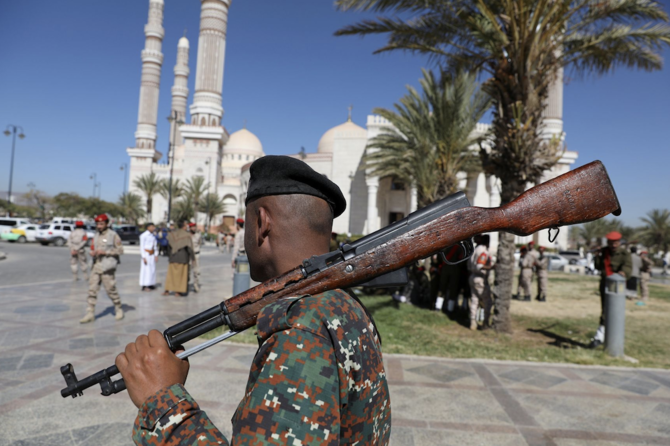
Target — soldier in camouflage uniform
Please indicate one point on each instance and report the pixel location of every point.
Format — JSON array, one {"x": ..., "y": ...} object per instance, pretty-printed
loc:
[
  {"x": 105, "y": 250},
  {"x": 318, "y": 376},
  {"x": 77, "y": 244}
]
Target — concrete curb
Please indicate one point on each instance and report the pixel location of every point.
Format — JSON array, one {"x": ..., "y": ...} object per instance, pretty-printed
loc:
[{"x": 3, "y": 256}]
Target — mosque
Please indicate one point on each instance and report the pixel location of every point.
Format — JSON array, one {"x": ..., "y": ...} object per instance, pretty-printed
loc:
[{"x": 201, "y": 145}]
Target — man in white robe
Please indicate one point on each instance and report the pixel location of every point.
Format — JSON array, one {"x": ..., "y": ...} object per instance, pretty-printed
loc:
[{"x": 149, "y": 252}]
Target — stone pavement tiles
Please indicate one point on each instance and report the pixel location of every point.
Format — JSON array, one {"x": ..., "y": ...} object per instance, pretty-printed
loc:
[{"x": 435, "y": 401}]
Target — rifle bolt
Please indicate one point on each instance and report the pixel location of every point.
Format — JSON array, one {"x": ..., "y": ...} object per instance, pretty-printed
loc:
[{"x": 349, "y": 268}]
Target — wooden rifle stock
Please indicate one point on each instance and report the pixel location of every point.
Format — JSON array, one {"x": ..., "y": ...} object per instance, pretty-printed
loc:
[{"x": 579, "y": 196}]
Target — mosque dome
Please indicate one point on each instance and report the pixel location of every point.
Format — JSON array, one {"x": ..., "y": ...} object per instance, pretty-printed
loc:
[
  {"x": 183, "y": 43},
  {"x": 348, "y": 129},
  {"x": 244, "y": 142}
]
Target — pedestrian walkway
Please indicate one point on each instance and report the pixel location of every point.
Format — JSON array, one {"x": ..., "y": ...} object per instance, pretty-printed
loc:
[{"x": 434, "y": 401}]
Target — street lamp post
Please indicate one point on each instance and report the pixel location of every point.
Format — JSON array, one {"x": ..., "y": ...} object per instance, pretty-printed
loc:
[
  {"x": 175, "y": 121},
  {"x": 94, "y": 177},
  {"x": 11, "y": 163},
  {"x": 124, "y": 167}
]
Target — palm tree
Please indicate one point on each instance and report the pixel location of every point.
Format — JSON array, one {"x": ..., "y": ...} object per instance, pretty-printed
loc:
[
  {"x": 212, "y": 206},
  {"x": 183, "y": 209},
  {"x": 432, "y": 136},
  {"x": 656, "y": 232},
  {"x": 593, "y": 231},
  {"x": 520, "y": 46},
  {"x": 149, "y": 185},
  {"x": 194, "y": 189},
  {"x": 131, "y": 206}
]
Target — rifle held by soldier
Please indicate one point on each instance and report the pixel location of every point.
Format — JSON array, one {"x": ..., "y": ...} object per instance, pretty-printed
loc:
[{"x": 582, "y": 195}]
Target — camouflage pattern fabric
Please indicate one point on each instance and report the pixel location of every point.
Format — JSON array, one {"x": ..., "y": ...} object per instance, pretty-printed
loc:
[{"x": 317, "y": 378}]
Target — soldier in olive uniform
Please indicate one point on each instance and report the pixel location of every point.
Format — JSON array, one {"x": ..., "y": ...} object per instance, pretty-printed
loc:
[
  {"x": 196, "y": 236},
  {"x": 526, "y": 262},
  {"x": 611, "y": 259},
  {"x": 77, "y": 244},
  {"x": 541, "y": 267},
  {"x": 105, "y": 250}
]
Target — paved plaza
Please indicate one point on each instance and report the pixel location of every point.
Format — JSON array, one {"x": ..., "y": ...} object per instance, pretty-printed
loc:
[{"x": 434, "y": 401}]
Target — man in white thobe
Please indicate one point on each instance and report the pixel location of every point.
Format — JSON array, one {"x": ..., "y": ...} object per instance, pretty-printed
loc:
[{"x": 149, "y": 252}]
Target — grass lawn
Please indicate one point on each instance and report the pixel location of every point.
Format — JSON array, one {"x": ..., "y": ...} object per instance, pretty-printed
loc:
[{"x": 555, "y": 331}]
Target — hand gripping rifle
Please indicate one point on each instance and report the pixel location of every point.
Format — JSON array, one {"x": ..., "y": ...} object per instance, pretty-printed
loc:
[{"x": 579, "y": 196}]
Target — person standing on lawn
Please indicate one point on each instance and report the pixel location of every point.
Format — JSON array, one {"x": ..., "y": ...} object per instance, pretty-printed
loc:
[
  {"x": 645, "y": 275},
  {"x": 526, "y": 263},
  {"x": 480, "y": 264},
  {"x": 611, "y": 259},
  {"x": 541, "y": 268},
  {"x": 632, "y": 281}
]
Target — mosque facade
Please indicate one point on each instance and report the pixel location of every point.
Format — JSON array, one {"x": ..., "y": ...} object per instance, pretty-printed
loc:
[{"x": 201, "y": 145}]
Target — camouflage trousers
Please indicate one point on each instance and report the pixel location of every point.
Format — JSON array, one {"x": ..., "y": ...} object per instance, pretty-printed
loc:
[
  {"x": 78, "y": 261},
  {"x": 195, "y": 270},
  {"x": 542, "y": 282},
  {"x": 644, "y": 284},
  {"x": 525, "y": 278},
  {"x": 109, "y": 282},
  {"x": 481, "y": 293}
]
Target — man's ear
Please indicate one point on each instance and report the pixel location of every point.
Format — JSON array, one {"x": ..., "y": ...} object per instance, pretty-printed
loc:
[{"x": 263, "y": 224}]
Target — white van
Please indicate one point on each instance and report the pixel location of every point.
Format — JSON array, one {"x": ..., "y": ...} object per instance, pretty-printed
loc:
[{"x": 9, "y": 223}]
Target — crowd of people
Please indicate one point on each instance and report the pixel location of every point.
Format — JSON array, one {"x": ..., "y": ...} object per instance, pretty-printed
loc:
[{"x": 180, "y": 243}]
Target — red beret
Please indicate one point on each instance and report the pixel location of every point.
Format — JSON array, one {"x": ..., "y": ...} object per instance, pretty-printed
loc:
[
  {"x": 614, "y": 235},
  {"x": 240, "y": 220},
  {"x": 643, "y": 252},
  {"x": 523, "y": 248},
  {"x": 102, "y": 217},
  {"x": 79, "y": 224},
  {"x": 190, "y": 225}
]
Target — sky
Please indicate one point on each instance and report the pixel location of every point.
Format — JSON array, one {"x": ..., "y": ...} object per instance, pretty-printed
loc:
[{"x": 70, "y": 76}]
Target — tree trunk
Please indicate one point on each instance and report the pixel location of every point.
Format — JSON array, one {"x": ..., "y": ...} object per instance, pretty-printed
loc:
[
  {"x": 149, "y": 206},
  {"x": 504, "y": 268}
]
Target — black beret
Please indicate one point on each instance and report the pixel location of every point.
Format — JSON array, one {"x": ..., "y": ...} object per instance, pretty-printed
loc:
[{"x": 283, "y": 175}]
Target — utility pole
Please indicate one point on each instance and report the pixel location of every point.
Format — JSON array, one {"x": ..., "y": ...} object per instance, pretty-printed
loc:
[{"x": 11, "y": 163}]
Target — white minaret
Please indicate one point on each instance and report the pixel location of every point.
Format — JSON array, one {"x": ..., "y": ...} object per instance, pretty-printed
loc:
[
  {"x": 152, "y": 60},
  {"x": 553, "y": 112},
  {"x": 180, "y": 89},
  {"x": 206, "y": 109}
]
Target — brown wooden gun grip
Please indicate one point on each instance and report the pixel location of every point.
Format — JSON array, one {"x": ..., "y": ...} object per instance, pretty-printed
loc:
[{"x": 579, "y": 196}]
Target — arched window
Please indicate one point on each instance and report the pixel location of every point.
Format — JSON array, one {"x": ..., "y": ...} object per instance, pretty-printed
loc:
[
  {"x": 193, "y": 120},
  {"x": 141, "y": 144},
  {"x": 213, "y": 121}
]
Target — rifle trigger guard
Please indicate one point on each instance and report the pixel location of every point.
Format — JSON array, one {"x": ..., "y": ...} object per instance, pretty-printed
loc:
[
  {"x": 468, "y": 249},
  {"x": 553, "y": 239}
]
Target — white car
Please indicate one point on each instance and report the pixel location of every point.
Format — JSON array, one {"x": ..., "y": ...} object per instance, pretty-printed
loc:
[
  {"x": 21, "y": 234},
  {"x": 557, "y": 262},
  {"x": 55, "y": 233},
  {"x": 9, "y": 223}
]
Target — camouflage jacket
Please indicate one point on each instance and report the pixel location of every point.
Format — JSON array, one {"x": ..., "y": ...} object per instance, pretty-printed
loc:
[{"x": 317, "y": 378}]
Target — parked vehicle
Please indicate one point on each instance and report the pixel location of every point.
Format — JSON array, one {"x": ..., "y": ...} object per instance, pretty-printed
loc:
[
  {"x": 57, "y": 234},
  {"x": 9, "y": 223},
  {"x": 22, "y": 234},
  {"x": 574, "y": 257},
  {"x": 557, "y": 262},
  {"x": 128, "y": 233}
]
